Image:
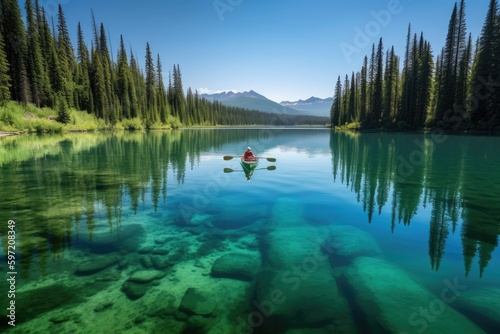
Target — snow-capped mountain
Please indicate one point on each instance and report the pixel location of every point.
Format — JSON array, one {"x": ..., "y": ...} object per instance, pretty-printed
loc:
[{"x": 312, "y": 106}]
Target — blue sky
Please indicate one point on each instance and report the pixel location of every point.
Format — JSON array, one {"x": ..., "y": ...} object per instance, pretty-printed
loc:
[{"x": 283, "y": 49}]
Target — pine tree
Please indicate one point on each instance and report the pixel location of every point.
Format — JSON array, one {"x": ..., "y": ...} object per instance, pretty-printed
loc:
[
  {"x": 66, "y": 57},
  {"x": 364, "y": 90},
  {"x": 83, "y": 89},
  {"x": 62, "y": 111},
  {"x": 378, "y": 91},
  {"x": 447, "y": 85},
  {"x": 163, "y": 105},
  {"x": 406, "y": 98},
  {"x": 101, "y": 103},
  {"x": 123, "y": 81},
  {"x": 179, "y": 100},
  {"x": 391, "y": 88},
  {"x": 336, "y": 105},
  {"x": 486, "y": 70},
  {"x": 37, "y": 74},
  {"x": 15, "y": 49},
  {"x": 152, "y": 113},
  {"x": 351, "y": 112},
  {"x": 4, "y": 74}
]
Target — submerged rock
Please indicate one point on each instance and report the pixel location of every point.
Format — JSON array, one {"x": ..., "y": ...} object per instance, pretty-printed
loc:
[
  {"x": 160, "y": 262},
  {"x": 195, "y": 302},
  {"x": 392, "y": 301},
  {"x": 97, "y": 264},
  {"x": 133, "y": 290},
  {"x": 146, "y": 249},
  {"x": 125, "y": 238},
  {"x": 301, "y": 300},
  {"x": 348, "y": 241},
  {"x": 236, "y": 266},
  {"x": 146, "y": 276},
  {"x": 146, "y": 261},
  {"x": 231, "y": 217},
  {"x": 300, "y": 288},
  {"x": 483, "y": 303},
  {"x": 103, "y": 306},
  {"x": 196, "y": 325}
]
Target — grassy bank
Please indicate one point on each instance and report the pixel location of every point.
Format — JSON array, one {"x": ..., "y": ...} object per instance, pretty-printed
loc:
[{"x": 15, "y": 117}]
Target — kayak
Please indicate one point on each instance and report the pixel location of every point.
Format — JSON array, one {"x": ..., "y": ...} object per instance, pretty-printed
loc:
[{"x": 249, "y": 165}]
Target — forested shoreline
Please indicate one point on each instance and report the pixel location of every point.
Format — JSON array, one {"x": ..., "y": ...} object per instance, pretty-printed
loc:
[
  {"x": 457, "y": 91},
  {"x": 43, "y": 80}
]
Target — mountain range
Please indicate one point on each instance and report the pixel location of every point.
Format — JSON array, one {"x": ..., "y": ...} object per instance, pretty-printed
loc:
[{"x": 252, "y": 100}]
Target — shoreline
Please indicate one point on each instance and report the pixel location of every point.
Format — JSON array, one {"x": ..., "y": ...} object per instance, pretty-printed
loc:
[{"x": 10, "y": 133}]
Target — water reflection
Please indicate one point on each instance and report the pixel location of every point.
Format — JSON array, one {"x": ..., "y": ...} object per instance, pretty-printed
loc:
[
  {"x": 456, "y": 176},
  {"x": 56, "y": 187}
]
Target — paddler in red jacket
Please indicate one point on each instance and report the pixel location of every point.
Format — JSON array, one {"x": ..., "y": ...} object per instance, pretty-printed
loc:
[{"x": 248, "y": 155}]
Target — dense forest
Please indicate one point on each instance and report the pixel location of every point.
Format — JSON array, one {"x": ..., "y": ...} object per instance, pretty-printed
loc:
[
  {"x": 458, "y": 90},
  {"x": 39, "y": 66}
]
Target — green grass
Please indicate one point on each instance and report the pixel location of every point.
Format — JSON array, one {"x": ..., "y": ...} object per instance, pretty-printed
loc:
[{"x": 15, "y": 117}]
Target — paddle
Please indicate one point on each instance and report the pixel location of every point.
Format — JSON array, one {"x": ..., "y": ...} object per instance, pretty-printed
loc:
[
  {"x": 229, "y": 170},
  {"x": 230, "y": 157}
]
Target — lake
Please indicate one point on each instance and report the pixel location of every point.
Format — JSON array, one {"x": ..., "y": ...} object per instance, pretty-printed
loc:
[{"x": 154, "y": 232}]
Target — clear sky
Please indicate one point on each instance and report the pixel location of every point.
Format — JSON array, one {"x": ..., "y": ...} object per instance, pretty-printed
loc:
[{"x": 283, "y": 49}]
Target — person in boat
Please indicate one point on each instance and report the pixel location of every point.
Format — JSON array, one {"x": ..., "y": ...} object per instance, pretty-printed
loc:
[{"x": 248, "y": 155}]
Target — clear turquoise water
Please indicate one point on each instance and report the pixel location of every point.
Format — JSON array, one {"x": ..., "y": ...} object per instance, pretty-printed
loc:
[{"x": 350, "y": 233}]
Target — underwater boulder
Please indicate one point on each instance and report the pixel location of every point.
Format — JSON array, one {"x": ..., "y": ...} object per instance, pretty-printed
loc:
[
  {"x": 483, "y": 303},
  {"x": 145, "y": 276},
  {"x": 133, "y": 290},
  {"x": 124, "y": 238},
  {"x": 301, "y": 245},
  {"x": 195, "y": 302},
  {"x": 236, "y": 266},
  {"x": 239, "y": 216},
  {"x": 350, "y": 242},
  {"x": 287, "y": 300},
  {"x": 395, "y": 303},
  {"x": 96, "y": 264}
]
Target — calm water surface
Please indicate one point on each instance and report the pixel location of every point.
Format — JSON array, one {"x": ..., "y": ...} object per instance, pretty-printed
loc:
[{"x": 351, "y": 233}]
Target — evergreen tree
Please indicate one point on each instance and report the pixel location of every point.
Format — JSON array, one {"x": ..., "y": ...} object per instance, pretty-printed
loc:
[
  {"x": 391, "y": 88},
  {"x": 179, "y": 101},
  {"x": 152, "y": 116},
  {"x": 83, "y": 88},
  {"x": 62, "y": 111},
  {"x": 37, "y": 74},
  {"x": 15, "y": 49},
  {"x": 336, "y": 105},
  {"x": 378, "y": 91},
  {"x": 4, "y": 74},
  {"x": 101, "y": 104},
  {"x": 351, "y": 112},
  {"x": 163, "y": 105},
  {"x": 486, "y": 70},
  {"x": 364, "y": 90},
  {"x": 124, "y": 80},
  {"x": 406, "y": 98},
  {"x": 66, "y": 57},
  {"x": 447, "y": 85}
]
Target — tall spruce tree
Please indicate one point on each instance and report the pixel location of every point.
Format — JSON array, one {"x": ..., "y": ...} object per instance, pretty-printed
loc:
[
  {"x": 486, "y": 71},
  {"x": 151, "y": 105},
  {"x": 83, "y": 88},
  {"x": 15, "y": 49},
  {"x": 163, "y": 105},
  {"x": 66, "y": 57},
  {"x": 4, "y": 74},
  {"x": 336, "y": 105},
  {"x": 37, "y": 75},
  {"x": 378, "y": 90}
]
